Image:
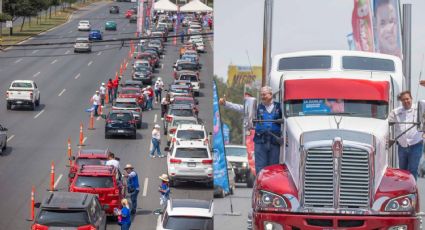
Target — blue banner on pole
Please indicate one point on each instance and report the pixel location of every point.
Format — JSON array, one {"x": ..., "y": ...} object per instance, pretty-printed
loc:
[
  {"x": 226, "y": 133},
  {"x": 220, "y": 165}
]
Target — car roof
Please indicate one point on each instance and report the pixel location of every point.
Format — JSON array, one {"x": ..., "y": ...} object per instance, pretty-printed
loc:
[
  {"x": 121, "y": 111},
  {"x": 22, "y": 81},
  {"x": 185, "y": 118},
  {"x": 190, "y": 207},
  {"x": 106, "y": 170},
  {"x": 133, "y": 82},
  {"x": 180, "y": 86},
  {"x": 67, "y": 200},
  {"x": 93, "y": 151},
  {"x": 131, "y": 88},
  {"x": 125, "y": 100},
  {"x": 180, "y": 98},
  {"x": 191, "y": 126},
  {"x": 191, "y": 144},
  {"x": 82, "y": 39},
  {"x": 180, "y": 106},
  {"x": 84, "y": 21},
  {"x": 94, "y": 31}
]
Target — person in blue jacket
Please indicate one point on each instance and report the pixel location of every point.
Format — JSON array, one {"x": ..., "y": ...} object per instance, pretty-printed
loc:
[
  {"x": 125, "y": 216},
  {"x": 268, "y": 135}
]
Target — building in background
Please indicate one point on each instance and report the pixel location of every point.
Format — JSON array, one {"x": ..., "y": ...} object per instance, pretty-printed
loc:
[{"x": 239, "y": 75}]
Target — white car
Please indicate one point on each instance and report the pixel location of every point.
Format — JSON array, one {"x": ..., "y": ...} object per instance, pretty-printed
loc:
[
  {"x": 237, "y": 155},
  {"x": 190, "y": 132},
  {"x": 82, "y": 45},
  {"x": 190, "y": 161},
  {"x": 171, "y": 129},
  {"x": 143, "y": 63},
  {"x": 21, "y": 93},
  {"x": 194, "y": 29},
  {"x": 183, "y": 214},
  {"x": 84, "y": 25}
]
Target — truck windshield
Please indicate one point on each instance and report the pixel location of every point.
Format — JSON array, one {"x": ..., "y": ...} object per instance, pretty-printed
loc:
[{"x": 353, "y": 108}]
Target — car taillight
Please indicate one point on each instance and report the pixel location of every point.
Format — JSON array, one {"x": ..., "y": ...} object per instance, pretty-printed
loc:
[
  {"x": 39, "y": 227},
  {"x": 138, "y": 110},
  {"x": 172, "y": 131},
  {"x": 175, "y": 161},
  {"x": 169, "y": 118},
  {"x": 7, "y": 95},
  {"x": 31, "y": 95},
  {"x": 207, "y": 162},
  {"x": 87, "y": 227},
  {"x": 173, "y": 140}
]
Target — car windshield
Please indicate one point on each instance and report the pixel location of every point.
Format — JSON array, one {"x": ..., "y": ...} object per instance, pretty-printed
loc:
[
  {"x": 145, "y": 64},
  {"x": 63, "y": 218},
  {"x": 130, "y": 91},
  {"x": 236, "y": 151},
  {"x": 181, "y": 122},
  {"x": 191, "y": 78},
  {"x": 91, "y": 161},
  {"x": 125, "y": 105},
  {"x": 84, "y": 22},
  {"x": 186, "y": 135},
  {"x": 355, "y": 108},
  {"x": 183, "y": 102},
  {"x": 141, "y": 68},
  {"x": 187, "y": 66},
  {"x": 184, "y": 223},
  {"x": 120, "y": 116},
  {"x": 180, "y": 90},
  {"x": 94, "y": 182},
  {"x": 82, "y": 41},
  {"x": 182, "y": 112},
  {"x": 191, "y": 153},
  {"x": 22, "y": 85}
]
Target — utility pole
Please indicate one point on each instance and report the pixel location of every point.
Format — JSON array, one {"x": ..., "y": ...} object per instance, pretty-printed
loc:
[
  {"x": 267, "y": 40},
  {"x": 407, "y": 45}
]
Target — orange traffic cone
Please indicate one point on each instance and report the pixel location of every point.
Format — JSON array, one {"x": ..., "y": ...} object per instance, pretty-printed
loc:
[
  {"x": 120, "y": 69},
  {"x": 32, "y": 204},
  {"x": 107, "y": 96},
  {"x": 52, "y": 176},
  {"x": 81, "y": 135},
  {"x": 69, "y": 151},
  {"x": 100, "y": 110},
  {"x": 91, "y": 122}
]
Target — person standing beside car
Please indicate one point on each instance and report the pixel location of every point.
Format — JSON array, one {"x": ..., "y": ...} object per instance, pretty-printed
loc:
[
  {"x": 156, "y": 142},
  {"x": 96, "y": 102},
  {"x": 110, "y": 87},
  {"x": 132, "y": 186},
  {"x": 102, "y": 91},
  {"x": 124, "y": 215},
  {"x": 410, "y": 144}
]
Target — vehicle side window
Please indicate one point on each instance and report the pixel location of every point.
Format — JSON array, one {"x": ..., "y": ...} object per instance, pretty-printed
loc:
[{"x": 98, "y": 210}]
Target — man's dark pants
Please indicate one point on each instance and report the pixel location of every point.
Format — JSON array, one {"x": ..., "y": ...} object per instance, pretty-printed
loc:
[
  {"x": 409, "y": 158},
  {"x": 266, "y": 152}
]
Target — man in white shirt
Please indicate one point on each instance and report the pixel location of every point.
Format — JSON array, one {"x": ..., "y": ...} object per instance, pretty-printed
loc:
[
  {"x": 159, "y": 85},
  {"x": 102, "y": 90},
  {"x": 410, "y": 144},
  {"x": 112, "y": 161},
  {"x": 96, "y": 102}
]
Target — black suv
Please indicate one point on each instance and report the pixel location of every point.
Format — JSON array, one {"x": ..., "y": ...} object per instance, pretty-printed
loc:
[
  {"x": 120, "y": 122},
  {"x": 114, "y": 10},
  {"x": 70, "y": 209}
]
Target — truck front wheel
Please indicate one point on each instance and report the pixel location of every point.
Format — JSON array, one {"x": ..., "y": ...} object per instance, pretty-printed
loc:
[{"x": 9, "y": 106}]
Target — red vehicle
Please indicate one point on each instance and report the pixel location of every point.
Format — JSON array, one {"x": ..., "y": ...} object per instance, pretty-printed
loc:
[
  {"x": 87, "y": 157},
  {"x": 129, "y": 12},
  {"x": 132, "y": 92},
  {"x": 105, "y": 181}
]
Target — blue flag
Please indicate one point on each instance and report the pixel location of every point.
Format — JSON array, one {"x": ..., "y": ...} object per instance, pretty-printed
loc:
[{"x": 220, "y": 164}]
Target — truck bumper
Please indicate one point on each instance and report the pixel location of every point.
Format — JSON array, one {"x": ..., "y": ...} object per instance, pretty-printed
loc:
[
  {"x": 20, "y": 102},
  {"x": 288, "y": 221}
]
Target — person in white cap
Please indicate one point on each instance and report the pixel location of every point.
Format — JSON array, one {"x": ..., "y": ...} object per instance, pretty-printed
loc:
[
  {"x": 95, "y": 100},
  {"x": 164, "y": 189},
  {"x": 156, "y": 141},
  {"x": 159, "y": 85},
  {"x": 102, "y": 90}
]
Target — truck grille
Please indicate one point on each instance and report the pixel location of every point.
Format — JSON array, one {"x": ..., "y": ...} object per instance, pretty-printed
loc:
[{"x": 320, "y": 182}]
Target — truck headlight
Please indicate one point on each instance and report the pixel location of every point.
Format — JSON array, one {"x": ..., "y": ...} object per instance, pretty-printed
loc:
[
  {"x": 244, "y": 165},
  {"x": 402, "y": 204},
  {"x": 267, "y": 201}
]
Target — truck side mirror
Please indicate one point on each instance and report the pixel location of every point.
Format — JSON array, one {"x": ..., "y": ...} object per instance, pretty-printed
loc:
[{"x": 250, "y": 113}]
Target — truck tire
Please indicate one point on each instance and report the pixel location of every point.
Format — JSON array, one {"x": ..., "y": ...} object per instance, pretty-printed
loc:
[
  {"x": 9, "y": 106},
  {"x": 37, "y": 103},
  {"x": 250, "y": 180}
]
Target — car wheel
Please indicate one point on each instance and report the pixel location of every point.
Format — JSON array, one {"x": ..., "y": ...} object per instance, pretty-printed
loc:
[
  {"x": 33, "y": 106},
  {"x": 220, "y": 192},
  {"x": 134, "y": 136},
  {"x": 210, "y": 184},
  {"x": 9, "y": 106},
  {"x": 171, "y": 183},
  {"x": 250, "y": 180},
  {"x": 5, "y": 145},
  {"x": 37, "y": 103}
]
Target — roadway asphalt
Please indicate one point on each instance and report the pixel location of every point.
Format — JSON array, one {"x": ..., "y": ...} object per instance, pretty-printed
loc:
[{"x": 67, "y": 81}]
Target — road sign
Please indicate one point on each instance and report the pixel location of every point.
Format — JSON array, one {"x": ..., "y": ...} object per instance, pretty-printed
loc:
[{"x": 9, "y": 24}]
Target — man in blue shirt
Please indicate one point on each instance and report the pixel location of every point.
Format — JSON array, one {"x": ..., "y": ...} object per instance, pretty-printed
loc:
[
  {"x": 164, "y": 189},
  {"x": 268, "y": 135},
  {"x": 132, "y": 186}
]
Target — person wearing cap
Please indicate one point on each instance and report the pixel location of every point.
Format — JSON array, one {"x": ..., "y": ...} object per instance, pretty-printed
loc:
[
  {"x": 132, "y": 186},
  {"x": 164, "y": 189},
  {"x": 156, "y": 141},
  {"x": 102, "y": 90},
  {"x": 110, "y": 86},
  {"x": 95, "y": 100},
  {"x": 159, "y": 85}
]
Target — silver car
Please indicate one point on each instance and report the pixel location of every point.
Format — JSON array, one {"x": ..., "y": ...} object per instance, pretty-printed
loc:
[
  {"x": 82, "y": 45},
  {"x": 3, "y": 138}
]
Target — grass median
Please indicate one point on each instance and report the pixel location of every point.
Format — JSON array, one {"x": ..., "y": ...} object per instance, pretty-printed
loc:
[{"x": 44, "y": 23}]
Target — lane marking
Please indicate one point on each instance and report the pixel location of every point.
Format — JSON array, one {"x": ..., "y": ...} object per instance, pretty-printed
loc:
[
  {"x": 106, "y": 46},
  {"x": 63, "y": 91},
  {"x": 78, "y": 75},
  {"x": 35, "y": 51},
  {"x": 36, "y": 74},
  {"x": 70, "y": 31},
  {"x": 57, "y": 181},
  {"x": 91, "y": 62},
  {"x": 84, "y": 140},
  {"x": 38, "y": 114},
  {"x": 154, "y": 119},
  {"x": 145, "y": 186},
  {"x": 100, "y": 53},
  {"x": 67, "y": 52},
  {"x": 54, "y": 61},
  {"x": 19, "y": 60},
  {"x": 10, "y": 138}
]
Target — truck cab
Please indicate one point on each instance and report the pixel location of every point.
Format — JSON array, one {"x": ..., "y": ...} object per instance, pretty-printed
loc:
[{"x": 338, "y": 167}]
